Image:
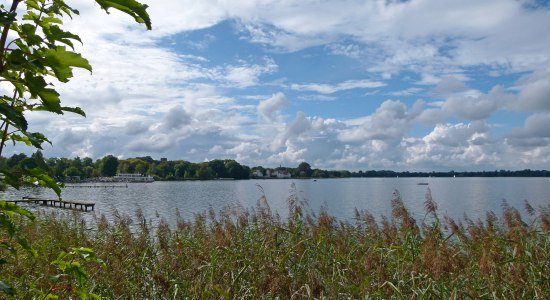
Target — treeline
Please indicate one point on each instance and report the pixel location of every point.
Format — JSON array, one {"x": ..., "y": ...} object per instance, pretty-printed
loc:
[
  {"x": 499, "y": 173},
  {"x": 66, "y": 169}
]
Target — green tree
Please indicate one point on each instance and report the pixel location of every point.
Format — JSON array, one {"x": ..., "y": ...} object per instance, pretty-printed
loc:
[
  {"x": 304, "y": 170},
  {"x": 141, "y": 167},
  {"x": 87, "y": 162},
  {"x": 218, "y": 166},
  {"x": 204, "y": 172},
  {"x": 180, "y": 168},
  {"x": 236, "y": 170},
  {"x": 72, "y": 171},
  {"x": 109, "y": 165}
]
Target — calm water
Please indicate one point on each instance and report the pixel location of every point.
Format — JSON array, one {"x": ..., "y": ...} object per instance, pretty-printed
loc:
[{"x": 455, "y": 196}]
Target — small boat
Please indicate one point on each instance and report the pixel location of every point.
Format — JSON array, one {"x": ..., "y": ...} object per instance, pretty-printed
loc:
[{"x": 422, "y": 183}]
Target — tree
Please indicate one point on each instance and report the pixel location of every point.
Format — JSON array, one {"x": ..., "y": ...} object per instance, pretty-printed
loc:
[
  {"x": 236, "y": 170},
  {"x": 304, "y": 170},
  {"x": 204, "y": 172},
  {"x": 87, "y": 162},
  {"x": 35, "y": 51},
  {"x": 218, "y": 166},
  {"x": 180, "y": 168},
  {"x": 109, "y": 165}
]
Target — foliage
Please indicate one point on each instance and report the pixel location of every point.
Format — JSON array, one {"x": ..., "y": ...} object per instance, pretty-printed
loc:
[
  {"x": 86, "y": 168},
  {"x": 239, "y": 253},
  {"x": 35, "y": 53},
  {"x": 109, "y": 165}
]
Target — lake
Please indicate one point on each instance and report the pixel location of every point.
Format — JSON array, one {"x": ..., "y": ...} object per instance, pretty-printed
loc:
[{"x": 455, "y": 196}]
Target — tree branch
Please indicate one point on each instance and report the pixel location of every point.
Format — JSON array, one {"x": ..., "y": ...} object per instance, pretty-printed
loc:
[{"x": 4, "y": 37}]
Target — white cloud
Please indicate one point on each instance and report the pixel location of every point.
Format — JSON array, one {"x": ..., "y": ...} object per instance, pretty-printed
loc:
[
  {"x": 476, "y": 107},
  {"x": 454, "y": 145},
  {"x": 175, "y": 118},
  {"x": 534, "y": 92},
  {"x": 389, "y": 121},
  {"x": 297, "y": 127},
  {"x": 269, "y": 107},
  {"x": 535, "y": 132},
  {"x": 144, "y": 97},
  {"x": 333, "y": 88},
  {"x": 248, "y": 75},
  {"x": 449, "y": 85}
]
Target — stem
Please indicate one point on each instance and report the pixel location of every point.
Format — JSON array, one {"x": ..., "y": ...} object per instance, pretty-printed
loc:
[
  {"x": 6, "y": 126},
  {"x": 4, "y": 37}
]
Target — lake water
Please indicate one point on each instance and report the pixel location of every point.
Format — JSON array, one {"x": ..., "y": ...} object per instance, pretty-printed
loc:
[{"x": 455, "y": 196}]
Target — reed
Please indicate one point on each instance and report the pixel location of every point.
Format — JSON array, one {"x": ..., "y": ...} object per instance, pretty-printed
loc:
[{"x": 254, "y": 253}]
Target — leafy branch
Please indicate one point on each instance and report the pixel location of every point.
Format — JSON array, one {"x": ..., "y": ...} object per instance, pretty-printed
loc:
[{"x": 39, "y": 51}]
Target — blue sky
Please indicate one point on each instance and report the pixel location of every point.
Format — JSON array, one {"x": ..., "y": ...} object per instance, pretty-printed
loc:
[{"x": 402, "y": 85}]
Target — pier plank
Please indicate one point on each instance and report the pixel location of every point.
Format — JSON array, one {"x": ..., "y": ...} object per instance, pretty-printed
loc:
[{"x": 83, "y": 206}]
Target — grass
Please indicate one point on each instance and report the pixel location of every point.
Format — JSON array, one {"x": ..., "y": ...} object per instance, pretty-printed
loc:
[{"x": 256, "y": 254}]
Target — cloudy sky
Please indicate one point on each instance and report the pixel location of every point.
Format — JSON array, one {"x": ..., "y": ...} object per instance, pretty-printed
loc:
[{"x": 341, "y": 84}]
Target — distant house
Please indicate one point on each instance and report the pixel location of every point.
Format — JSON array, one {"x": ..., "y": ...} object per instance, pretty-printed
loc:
[
  {"x": 163, "y": 159},
  {"x": 281, "y": 174},
  {"x": 257, "y": 173}
]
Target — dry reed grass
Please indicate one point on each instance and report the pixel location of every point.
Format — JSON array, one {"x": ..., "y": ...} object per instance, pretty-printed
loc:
[{"x": 239, "y": 253}]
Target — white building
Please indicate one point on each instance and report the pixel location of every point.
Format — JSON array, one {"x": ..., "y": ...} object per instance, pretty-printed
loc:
[
  {"x": 283, "y": 174},
  {"x": 257, "y": 173}
]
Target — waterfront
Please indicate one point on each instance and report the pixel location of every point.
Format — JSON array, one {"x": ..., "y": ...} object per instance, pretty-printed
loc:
[{"x": 455, "y": 196}]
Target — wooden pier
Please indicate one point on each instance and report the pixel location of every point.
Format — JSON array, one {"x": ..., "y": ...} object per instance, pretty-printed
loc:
[
  {"x": 96, "y": 186},
  {"x": 83, "y": 206}
]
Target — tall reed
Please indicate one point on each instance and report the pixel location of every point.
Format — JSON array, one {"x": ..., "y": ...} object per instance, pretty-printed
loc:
[{"x": 254, "y": 253}]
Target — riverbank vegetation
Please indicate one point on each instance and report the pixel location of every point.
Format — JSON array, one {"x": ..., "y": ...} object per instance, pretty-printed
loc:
[
  {"x": 67, "y": 169},
  {"x": 238, "y": 253}
]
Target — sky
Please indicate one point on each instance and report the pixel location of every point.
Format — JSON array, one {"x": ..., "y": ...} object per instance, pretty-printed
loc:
[{"x": 404, "y": 85}]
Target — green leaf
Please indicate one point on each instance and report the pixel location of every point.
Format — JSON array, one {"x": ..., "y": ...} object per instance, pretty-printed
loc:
[
  {"x": 11, "y": 207},
  {"x": 62, "y": 62},
  {"x": 35, "y": 139},
  {"x": 32, "y": 4},
  {"x": 14, "y": 116},
  {"x": 11, "y": 178},
  {"x": 45, "y": 180},
  {"x": 133, "y": 8},
  {"x": 27, "y": 246},
  {"x": 76, "y": 110},
  {"x": 7, "y": 17},
  {"x": 37, "y": 88},
  {"x": 6, "y": 223},
  {"x": 54, "y": 33},
  {"x": 28, "y": 31},
  {"x": 4, "y": 287}
]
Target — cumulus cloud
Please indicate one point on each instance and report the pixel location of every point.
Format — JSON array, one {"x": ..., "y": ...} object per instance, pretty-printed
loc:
[
  {"x": 449, "y": 85},
  {"x": 297, "y": 127},
  {"x": 156, "y": 143},
  {"x": 269, "y": 107},
  {"x": 454, "y": 145},
  {"x": 135, "y": 127},
  {"x": 175, "y": 118},
  {"x": 389, "y": 121},
  {"x": 535, "y": 132},
  {"x": 534, "y": 92},
  {"x": 470, "y": 105},
  {"x": 476, "y": 107}
]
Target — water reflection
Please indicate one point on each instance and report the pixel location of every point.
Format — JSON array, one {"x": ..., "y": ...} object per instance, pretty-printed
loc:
[{"x": 455, "y": 196}]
